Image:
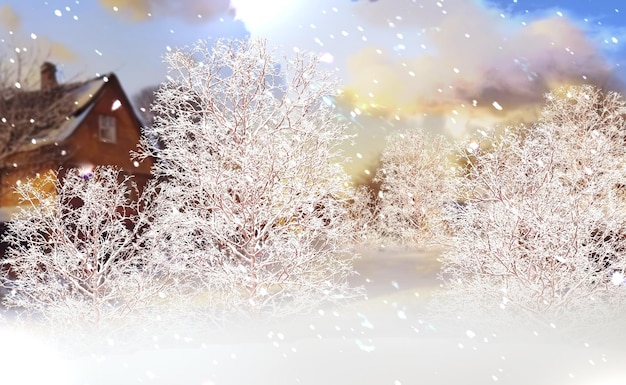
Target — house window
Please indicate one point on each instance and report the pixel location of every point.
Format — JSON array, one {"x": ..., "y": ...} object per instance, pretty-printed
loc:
[{"x": 107, "y": 128}]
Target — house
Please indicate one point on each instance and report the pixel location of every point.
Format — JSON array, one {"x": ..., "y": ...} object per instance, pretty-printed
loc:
[{"x": 84, "y": 124}]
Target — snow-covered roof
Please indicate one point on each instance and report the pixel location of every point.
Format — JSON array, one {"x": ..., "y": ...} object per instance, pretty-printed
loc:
[{"x": 83, "y": 97}]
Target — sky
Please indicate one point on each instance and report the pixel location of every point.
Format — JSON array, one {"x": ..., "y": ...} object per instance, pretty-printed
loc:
[{"x": 450, "y": 66}]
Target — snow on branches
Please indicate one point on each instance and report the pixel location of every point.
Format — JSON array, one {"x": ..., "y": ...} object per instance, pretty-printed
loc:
[
  {"x": 73, "y": 250},
  {"x": 541, "y": 224},
  {"x": 253, "y": 192},
  {"x": 412, "y": 191}
]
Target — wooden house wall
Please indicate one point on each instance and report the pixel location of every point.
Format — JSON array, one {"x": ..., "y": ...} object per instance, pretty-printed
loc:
[{"x": 84, "y": 147}]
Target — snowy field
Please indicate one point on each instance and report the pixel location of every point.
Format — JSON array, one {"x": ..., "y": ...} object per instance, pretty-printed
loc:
[{"x": 387, "y": 338}]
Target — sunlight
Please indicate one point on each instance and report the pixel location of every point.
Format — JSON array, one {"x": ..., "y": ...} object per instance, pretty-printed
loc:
[{"x": 258, "y": 15}]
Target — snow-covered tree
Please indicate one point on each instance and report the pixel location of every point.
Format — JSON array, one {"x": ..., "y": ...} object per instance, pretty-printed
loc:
[
  {"x": 412, "y": 183},
  {"x": 74, "y": 251},
  {"x": 542, "y": 225},
  {"x": 253, "y": 197}
]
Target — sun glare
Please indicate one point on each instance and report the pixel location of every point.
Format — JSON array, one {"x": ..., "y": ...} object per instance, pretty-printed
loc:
[{"x": 258, "y": 15}]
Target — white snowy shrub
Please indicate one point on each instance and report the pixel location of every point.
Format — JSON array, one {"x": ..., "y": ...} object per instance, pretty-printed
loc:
[
  {"x": 73, "y": 255},
  {"x": 541, "y": 228},
  {"x": 412, "y": 183},
  {"x": 253, "y": 197}
]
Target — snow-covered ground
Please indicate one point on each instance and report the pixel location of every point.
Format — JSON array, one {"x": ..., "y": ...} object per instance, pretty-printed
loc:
[{"x": 387, "y": 338}]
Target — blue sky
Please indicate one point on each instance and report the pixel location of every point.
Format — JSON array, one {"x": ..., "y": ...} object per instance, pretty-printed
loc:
[{"x": 449, "y": 65}]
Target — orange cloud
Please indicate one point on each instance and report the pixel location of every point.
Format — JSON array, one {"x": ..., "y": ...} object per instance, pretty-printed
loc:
[
  {"x": 470, "y": 57},
  {"x": 60, "y": 52},
  {"x": 462, "y": 66},
  {"x": 140, "y": 10},
  {"x": 8, "y": 18}
]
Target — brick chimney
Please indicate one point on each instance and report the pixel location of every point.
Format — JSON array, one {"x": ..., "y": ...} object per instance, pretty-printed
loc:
[{"x": 48, "y": 76}]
